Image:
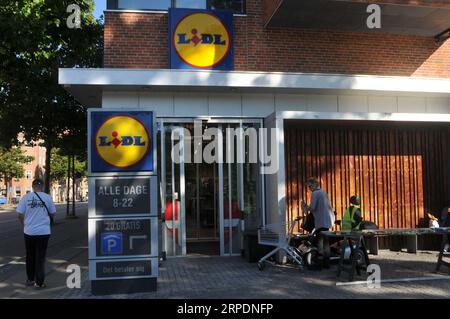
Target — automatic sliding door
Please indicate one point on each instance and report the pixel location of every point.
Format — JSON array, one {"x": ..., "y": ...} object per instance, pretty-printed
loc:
[
  {"x": 230, "y": 190},
  {"x": 173, "y": 190},
  {"x": 203, "y": 202}
]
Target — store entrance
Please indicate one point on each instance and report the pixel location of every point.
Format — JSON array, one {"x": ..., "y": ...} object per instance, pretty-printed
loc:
[
  {"x": 202, "y": 216},
  {"x": 203, "y": 203}
]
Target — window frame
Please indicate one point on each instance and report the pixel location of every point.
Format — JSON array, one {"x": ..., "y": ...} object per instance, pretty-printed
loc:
[{"x": 113, "y": 5}]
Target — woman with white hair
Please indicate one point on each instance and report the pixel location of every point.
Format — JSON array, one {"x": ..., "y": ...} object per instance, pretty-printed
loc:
[{"x": 324, "y": 218}]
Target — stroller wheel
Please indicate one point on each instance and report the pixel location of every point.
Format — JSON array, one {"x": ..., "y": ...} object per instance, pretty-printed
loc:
[
  {"x": 358, "y": 256},
  {"x": 261, "y": 266},
  {"x": 311, "y": 258}
]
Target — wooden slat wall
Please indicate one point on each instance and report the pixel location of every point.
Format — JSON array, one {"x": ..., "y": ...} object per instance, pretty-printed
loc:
[{"x": 400, "y": 172}]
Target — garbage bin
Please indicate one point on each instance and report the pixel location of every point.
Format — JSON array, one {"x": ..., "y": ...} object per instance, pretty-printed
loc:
[{"x": 253, "y": 251}]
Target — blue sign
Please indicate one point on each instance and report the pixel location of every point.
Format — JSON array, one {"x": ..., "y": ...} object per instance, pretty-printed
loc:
[
  {"x": 201, "y": 39},
  {"x": 121, "y": 141},
  {"x": 112, "y": 243}
]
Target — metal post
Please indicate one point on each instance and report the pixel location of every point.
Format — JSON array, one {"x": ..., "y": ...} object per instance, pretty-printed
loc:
[
  {"x": 73, "y": 185},
  {"x": 68, "y": 186}
]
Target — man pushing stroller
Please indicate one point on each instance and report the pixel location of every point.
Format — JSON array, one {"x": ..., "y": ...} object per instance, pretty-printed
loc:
[{"x": 324, "y": 219}]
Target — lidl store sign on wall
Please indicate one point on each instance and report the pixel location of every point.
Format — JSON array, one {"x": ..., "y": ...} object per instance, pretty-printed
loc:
[
  {"x": 121, "y": 141},
  {"x": 201, "y": 39}
]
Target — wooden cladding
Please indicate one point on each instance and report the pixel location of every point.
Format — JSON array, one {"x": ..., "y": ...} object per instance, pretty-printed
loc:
[{"x": 399, "y": 171}]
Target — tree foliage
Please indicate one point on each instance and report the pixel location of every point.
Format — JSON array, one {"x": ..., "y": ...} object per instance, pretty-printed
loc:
[
  {"x": 11, "y": 165},
  {"x": 59, "y": 163},
  {"x": 35, "y": 42}
]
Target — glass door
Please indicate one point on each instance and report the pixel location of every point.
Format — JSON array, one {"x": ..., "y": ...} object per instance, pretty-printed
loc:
[
  {"x": 230, "y": 188},
  {"x": 207, "y": 204},
  {"x": 173, "y": 190},
  {"x": 240, "y": 184},
  {"x": 202, "y": 225}
]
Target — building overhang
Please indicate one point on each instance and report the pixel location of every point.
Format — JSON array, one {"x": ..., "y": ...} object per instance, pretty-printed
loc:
[
  {"x": 355, "y": 116},
  {"x": 87, "y": 85},
  {"x": 431, "y": 19}
]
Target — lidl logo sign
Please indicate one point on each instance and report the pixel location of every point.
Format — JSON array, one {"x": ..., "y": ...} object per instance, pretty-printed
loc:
[
  {"x": 201, "y": 39},
  {"x": 121, "y": 141}
]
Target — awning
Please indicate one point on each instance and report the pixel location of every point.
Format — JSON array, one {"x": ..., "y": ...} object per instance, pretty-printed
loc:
[
  {"x": 87, "y": 85},
  {"x": 350, "y": 15}
]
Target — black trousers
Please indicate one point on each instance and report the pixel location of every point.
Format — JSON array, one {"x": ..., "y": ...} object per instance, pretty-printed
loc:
[
  {"x": 323, "y": 247},
  {"x": 36, "y": 249}
]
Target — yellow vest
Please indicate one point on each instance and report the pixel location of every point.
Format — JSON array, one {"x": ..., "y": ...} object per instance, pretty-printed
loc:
[{"x": 349, "y": 219}]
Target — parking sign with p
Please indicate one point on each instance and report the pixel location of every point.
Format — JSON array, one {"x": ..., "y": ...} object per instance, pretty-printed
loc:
[{"x": 112, "y": 243}]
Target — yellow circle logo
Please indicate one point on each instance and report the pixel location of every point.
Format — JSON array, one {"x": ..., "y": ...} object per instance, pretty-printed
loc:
[
  {"x": 201, "y": 40},
  {"x": 122, "y": 141}
]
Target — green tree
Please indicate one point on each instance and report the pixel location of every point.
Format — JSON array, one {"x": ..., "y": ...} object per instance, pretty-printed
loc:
[
  {"x": 59, "y": 164},
  {"x": 11, "y": 166},
  {"x": 35, "y": 42}
]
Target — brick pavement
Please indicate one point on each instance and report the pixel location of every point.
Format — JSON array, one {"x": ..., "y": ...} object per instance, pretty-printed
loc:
[{"x": 233, "y": 277}]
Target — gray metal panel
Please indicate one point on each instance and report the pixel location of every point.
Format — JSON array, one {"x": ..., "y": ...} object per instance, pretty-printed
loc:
[
  {"x": 153, "y": 196},
  {"x": 93, "y": 268},
  {"x": 92, "y": 231}
]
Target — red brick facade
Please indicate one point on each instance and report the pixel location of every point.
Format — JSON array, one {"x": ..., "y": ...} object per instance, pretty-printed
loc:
[{"x": 140, "y": 40}]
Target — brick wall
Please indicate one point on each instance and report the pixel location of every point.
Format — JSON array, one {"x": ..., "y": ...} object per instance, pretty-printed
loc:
[
  {"x": 136, "y": 40},
  {"x": 140, "y": 40}
]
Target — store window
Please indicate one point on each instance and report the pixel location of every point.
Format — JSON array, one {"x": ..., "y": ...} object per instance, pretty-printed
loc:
[
  {"x": 143, "y": 5},
  {"x": 238, "y": 6},
  {"x": 191, "y": 4}
]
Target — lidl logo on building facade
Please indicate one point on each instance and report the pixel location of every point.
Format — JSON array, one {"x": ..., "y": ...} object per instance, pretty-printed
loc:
[
  {"x": 201, "y": 39},
  {"x": 121, "y": 141}
]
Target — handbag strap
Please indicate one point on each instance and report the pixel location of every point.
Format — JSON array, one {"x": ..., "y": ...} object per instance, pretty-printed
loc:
[{"x": 48, "y": 212}]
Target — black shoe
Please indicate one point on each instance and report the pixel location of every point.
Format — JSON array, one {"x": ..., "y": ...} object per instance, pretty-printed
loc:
[
  {"x": 30, "y": 283},
  {"x": 41, "y": 286}
]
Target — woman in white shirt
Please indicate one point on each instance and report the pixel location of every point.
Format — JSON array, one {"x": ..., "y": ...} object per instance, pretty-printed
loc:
[{"x": 36, "y": 210}]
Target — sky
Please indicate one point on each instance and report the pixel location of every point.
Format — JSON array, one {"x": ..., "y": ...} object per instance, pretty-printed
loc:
[{"x": 99, "y": 7}]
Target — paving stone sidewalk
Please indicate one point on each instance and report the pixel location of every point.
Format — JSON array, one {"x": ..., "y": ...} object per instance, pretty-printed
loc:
[{"x": 233, "y": 277}]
